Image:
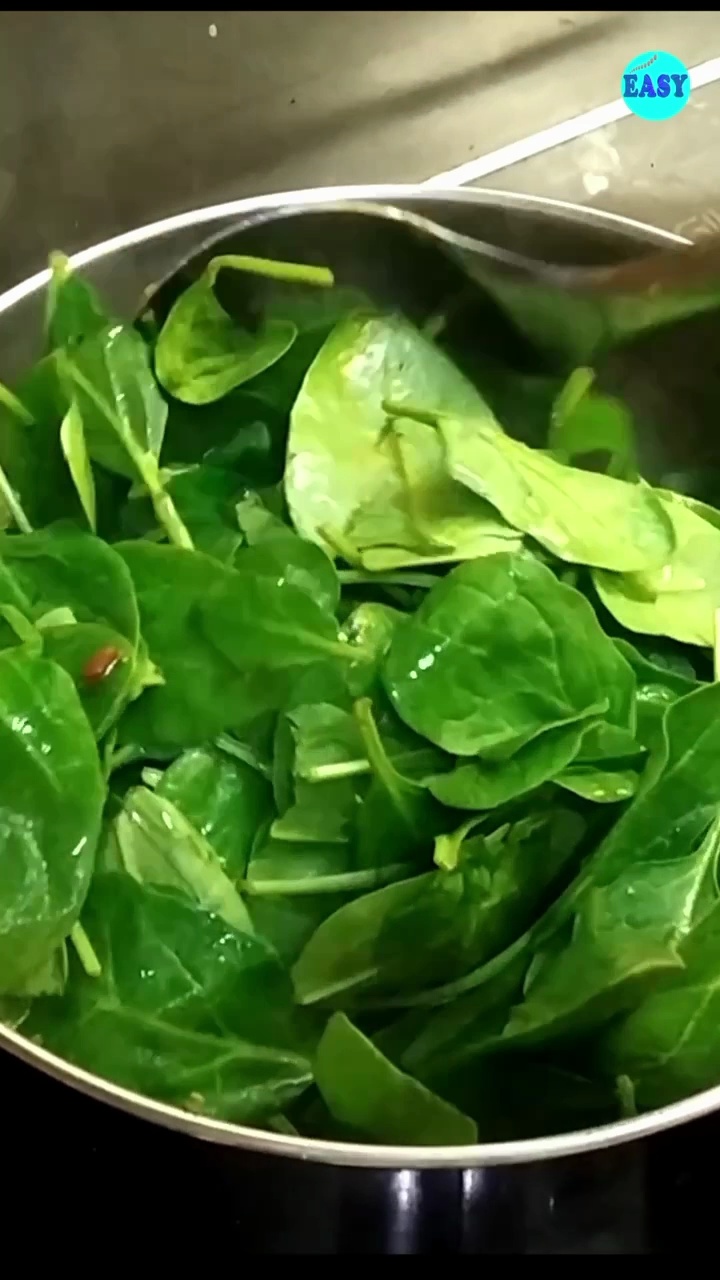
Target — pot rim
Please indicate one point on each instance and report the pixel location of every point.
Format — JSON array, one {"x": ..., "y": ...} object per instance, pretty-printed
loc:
[{"x": 362, "y": 1155}]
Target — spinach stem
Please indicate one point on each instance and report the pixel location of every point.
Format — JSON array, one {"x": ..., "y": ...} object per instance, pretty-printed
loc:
[
  {"x": 448, "y": 846},
  {"x": 341, "y": 769},
  {"x": 281, "y": 1124},
  {"x": 240, "y": 751},
  {"x": 395, "y": 409},
  {"x": 340, "y": 545},
  {"x": 625, "y": 1090},
  {"x": 124, "y": 755},
  {"x": 397, "y": 787},
  {"x": 164, "y": 507},
  {"x": 716, "y": 645},
  {"x": 145, "y": 463},
  {"x": 9, "y": 497},
  {"x": 15, "y": 406},
  {"x": 344, "y": 882},
  {"x": 290, "y": 272},
  {"x": 360, "y": 577},
  {"x": 85, "y": 951}
]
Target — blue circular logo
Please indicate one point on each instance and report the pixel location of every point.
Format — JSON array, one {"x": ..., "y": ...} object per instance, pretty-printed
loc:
[{"x": 656, "y": 85}]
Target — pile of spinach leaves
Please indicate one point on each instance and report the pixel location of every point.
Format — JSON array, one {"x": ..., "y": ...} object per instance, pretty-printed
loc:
[{"x": 360, "y": 760}]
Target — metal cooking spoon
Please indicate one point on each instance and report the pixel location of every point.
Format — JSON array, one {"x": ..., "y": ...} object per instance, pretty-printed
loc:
[
  {"x": 336, "y": 233},
  {"x": 530, "y": 314}
]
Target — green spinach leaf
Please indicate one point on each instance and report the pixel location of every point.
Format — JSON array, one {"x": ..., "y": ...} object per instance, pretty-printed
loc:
[
  {"x": 583, "y": 517},
  {"x": 60, "y": 566},
  {"x": 157, "y": 845},
  {"x": 186, "y": 1009},
  {"x": 386, "y": 492},
  {"x": 374, "y": 1099},
  {"x": 51, "y": 799},
  {"x": 586, "y": 423},
  {"x": 204, "y": 691},
  {"x": 202, "y": 353},
  {"x": 74, "y": 310},
  {"x": 668, "y": 1045},
  {"x": 485, "y": 892},
  {"x": 485, "y": 784},
  {"x": 226, "y": 800},
  {"x": 489, "y": 661},
  {"x": 634, "y": 901},
  {"x": 680, "y": 598}
]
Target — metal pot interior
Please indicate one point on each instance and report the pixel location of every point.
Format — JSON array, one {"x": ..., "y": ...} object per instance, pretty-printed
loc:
[{"x": 123, "y": 268}]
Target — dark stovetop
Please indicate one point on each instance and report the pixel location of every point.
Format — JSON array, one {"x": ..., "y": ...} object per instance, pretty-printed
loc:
[{"x": 64, "y": 1154}]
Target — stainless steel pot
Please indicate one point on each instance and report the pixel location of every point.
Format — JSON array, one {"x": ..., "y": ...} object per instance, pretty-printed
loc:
[{"x": 123, "y": 267}]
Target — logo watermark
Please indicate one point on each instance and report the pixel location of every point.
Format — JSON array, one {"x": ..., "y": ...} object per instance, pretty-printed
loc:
[{"x": 656, "y": 86}]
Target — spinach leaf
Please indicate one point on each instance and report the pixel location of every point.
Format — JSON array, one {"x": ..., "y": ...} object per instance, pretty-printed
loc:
[
  {"x": 680, "y": 598},
  {"x": 30, "y": 421},
  {"x": 668, "y": 1045},
  {"x": 262, "y": 621},
  {"x": 204, "y": 691},
  {"x": 327, "y": 743},
  {"x": 123, "y": 414},
  {"x": 157, "y": 845},
  {"x": 584, "y": 423},
  {"x": 74, "y": 447},
  {"x": 74, "y": 310},
  {"x": 583, "y": 517},
  {"x": 633, "y": 902},
  {"x": 601, "y": 785},
  {"x": 204, "y": 498},
  {"x": 485, "y": 892},
  {"x": 60, "y": 566},
  {"x": 242, "y": 433},
  {"x": 72, "y": 646},
  {"x": 51, "y": 799},
  {"x": 369, "y": 1096},
  {"x": 370, "y": 629},
  {"x": 386, "y": 492},
  {"x": 658, "y": 686},
  {"x": 185, "y": 1009},
  {"x": 320, "y": 812},
  {"x": 226, "y": 800},
  {"x": 573, "y": 326},
  {"x": 117, "y": 398},
  {"x": 202, "y": 353},
  {"x": 489, "y": 660},
  {"x": 485, "y": 784},
  {"x": 275, "y": 551},
  {"x": 398, "y": 817},
  {"x": 290, "y": 888}
]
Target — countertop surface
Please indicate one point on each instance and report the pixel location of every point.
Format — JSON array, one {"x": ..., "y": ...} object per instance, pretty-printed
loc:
[{"x": 112, "y": 119}]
